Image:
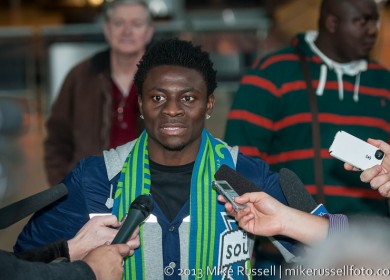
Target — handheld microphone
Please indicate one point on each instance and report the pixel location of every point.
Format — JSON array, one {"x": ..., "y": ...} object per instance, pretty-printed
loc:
[
  {"x": 17, "y": 211},
  {"x": 139, "y": 210},
  {"x": 239, "y": 183},
  {"x": 296, "y": 194}
]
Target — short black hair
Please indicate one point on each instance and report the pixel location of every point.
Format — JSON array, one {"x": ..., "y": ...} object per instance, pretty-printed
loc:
[{"x": 179, "y": 53}]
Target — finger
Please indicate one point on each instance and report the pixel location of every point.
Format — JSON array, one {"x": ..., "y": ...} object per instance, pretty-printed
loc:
[
  {"x": 107, "y": 220},
  {"x": 368, "y": 174},
  {"x": 229, "y": 208},
  {"x": 385, "y": 147},
  {"x": 349, "y": 167},
  {"x": 252, "y": 197},
  {"x": 135, "y": 233},
  {"x": 123, "y": 249},
  {"x": 244, "y": 220},
  {"x": 221, "y": 198},
  {"x": 384, "y": 190},
  {"x": 380, "y": 180},
  {"x": 242, "y": 213},
  {"x": 133, "y": 243}
]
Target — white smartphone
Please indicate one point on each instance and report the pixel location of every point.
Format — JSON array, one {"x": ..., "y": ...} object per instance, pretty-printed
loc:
[
  {"x": 224, "y": 188},
  {"x": 355, "y": 151}
]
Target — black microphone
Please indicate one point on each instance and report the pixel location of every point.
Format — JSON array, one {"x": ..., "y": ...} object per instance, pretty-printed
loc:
[
  {"x": 17, "y": 211},
  {"x": 239, "y": 183},
  {"x": 139, "y": 210},
  {"x": 296, "y": 194}
]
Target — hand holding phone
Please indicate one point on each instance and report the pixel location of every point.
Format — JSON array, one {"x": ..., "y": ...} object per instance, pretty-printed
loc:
[
  {"x": 355, "y": 151},
  {"x": 225, "y": 189}
]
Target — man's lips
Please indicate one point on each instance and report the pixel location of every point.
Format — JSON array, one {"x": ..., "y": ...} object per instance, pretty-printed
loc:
[{"x": 173, "y": 129}]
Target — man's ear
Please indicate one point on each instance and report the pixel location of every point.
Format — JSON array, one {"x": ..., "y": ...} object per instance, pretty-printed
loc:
[
  {"x": 210, "y": 103},
  {"x": 140, "y": 104},
  {"x": 331, "y": 23}
]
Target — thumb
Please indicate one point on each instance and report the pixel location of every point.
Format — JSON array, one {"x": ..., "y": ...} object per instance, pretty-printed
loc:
[
  {"x": 123, "y": 249},
  {"x": 385, "y": 147},
  {"x": 252, "y": 197}
]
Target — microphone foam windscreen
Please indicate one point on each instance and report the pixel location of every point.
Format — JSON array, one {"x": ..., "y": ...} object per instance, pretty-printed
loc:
[
  {"x": 239, "y": 183},
  {"x": 144, "y": 203},
  {"x": 295, "y": 191}
]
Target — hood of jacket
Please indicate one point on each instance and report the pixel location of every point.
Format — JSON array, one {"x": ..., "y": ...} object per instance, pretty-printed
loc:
[{"x": 305, "y": 42}]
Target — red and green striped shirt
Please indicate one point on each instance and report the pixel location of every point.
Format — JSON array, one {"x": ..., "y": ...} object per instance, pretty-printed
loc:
[{"x": 270, "y": 118}]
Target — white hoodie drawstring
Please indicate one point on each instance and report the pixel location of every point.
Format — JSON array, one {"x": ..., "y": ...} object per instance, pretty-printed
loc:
[
  {"x": 322, "y": 81},
  {"x": 356, "y": 89},
  {"x": 339, "y": 75},
  {"x": 110, "y": 199},
  {"x": 354, "y": 68}
]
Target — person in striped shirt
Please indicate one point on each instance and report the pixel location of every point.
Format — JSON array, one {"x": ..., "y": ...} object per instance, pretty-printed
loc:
[{"x": 271, "y": 117}]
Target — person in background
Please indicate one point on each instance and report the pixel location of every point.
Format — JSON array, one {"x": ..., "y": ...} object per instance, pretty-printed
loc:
[
  {"x": 97, "y": 108},
  {"x": 271, "y": 115},
  {"x": 90, "y": 255}
]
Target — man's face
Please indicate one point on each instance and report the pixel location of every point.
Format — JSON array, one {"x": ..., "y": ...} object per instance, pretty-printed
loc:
[
  {"x": 356, "y": 29},
  {"x": 174, "y": 104},
  {"x": 128, "y": 29}
]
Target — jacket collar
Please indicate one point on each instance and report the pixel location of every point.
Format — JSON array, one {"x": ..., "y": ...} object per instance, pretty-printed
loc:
[{"x": 100, "y": 62}]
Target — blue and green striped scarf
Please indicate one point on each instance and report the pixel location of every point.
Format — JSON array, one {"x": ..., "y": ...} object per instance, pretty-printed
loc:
[{"x": 207, "y": 224}]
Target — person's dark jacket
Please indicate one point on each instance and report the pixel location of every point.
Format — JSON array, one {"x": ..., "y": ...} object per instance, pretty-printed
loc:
[
  {"x": 79, "y": 123},
  {"x": 32, "y": 265}
]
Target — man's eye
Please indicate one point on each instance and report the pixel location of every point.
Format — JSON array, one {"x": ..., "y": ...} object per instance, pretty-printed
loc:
[
  {"x": 139, "y": 24},
  {"x": 188, "y": 98},
  {"x": 363, "y": 21},
  {"x": 158, "y": 98},
  {"x": 117, "y": 23}
]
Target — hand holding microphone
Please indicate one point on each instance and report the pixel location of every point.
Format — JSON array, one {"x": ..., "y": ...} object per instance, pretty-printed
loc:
[
  {"x": 96, "y": 232},
  {"x": 266, "y": 216},
  {"x": 140, "y": 209},
  {"x": 101, "y": 229},
  {"x": 260, "y": 216}
]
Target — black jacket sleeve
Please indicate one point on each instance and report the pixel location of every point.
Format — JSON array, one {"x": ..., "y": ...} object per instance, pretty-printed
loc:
[
  {"x": 46, "y": 253},
  {"x": 17, "y": 269}
]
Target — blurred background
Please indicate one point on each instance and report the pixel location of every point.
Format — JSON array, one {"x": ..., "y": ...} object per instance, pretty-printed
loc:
[{"x": 40, "y": 40}]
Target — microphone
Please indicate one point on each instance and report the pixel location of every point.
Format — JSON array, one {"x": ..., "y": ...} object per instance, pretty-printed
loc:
[
  {"x": 239, "y": 183},
  {"x": 139, "y": 210},
  {"x": 296, "y": 194},
  {"x": 292, "y": 187},
  {"x": 17, "y": 211}
]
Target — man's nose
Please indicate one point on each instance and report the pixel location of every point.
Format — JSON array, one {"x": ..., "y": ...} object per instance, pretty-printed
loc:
[{"x": 173, "y": 108}]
